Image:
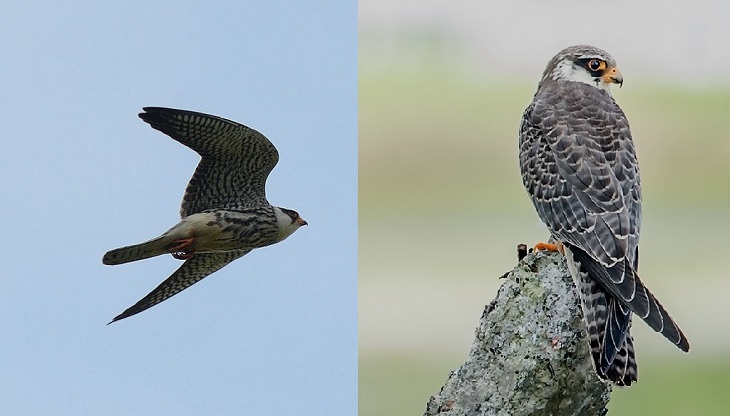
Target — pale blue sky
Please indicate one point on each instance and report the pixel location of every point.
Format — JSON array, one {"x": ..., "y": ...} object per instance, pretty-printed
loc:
[{"x": 273, "y": 333}]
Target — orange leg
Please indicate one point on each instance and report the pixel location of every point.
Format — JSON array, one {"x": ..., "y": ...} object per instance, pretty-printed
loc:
[
  {"x": 180, "y": 250},
  {"x": 549, "y": 247}
]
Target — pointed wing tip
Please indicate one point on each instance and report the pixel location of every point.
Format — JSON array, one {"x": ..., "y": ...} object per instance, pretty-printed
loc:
[
  {"x": 119, "y": 317},
  {"x": 131, "y": 311},
  {"x": 152, "y": 109},
  {"x": 146, "y": 114},
  {"x": 677, "y": 338},
  {"x": 683, "y": 344},
  {"x": 150, "y": 113}
]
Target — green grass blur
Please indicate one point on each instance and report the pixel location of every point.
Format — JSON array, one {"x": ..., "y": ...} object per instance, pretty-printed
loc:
[
  {"x": 442, "y": 209},
  {"x": 394, "y": 384}
]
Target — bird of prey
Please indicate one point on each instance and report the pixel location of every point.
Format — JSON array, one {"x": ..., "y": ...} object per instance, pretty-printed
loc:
[
  {"x": 580, "y": 169},
  {"x": 224, "y": 212}
]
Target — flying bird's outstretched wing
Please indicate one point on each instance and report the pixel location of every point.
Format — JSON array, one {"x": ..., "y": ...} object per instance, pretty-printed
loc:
[
  {"x": 192, "y": 271},
  {"x": 235, "y": 160},
  {"x": 224, "y": 211}
]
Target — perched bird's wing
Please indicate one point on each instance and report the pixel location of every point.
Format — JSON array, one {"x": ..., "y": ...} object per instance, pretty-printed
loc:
[
  {"x": 191, "y": 272},
  {"x": 236, "y": 160},
  {"x": 579, "y": 166},
  {"x": 583, "y": 177},
  {"x": 643, "y": 302}
]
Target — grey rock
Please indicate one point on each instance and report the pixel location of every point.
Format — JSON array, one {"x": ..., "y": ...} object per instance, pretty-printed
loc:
[{"x": 530, "y": 355}]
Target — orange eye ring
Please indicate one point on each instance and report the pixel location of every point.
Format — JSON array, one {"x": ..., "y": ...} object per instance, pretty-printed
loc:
[{"x": 595, "y": 65}]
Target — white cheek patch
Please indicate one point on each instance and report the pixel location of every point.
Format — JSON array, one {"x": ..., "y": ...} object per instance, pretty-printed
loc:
[{"x": 569, "y": 71}]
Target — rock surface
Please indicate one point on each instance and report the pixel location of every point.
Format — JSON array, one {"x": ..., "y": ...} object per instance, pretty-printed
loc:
[{"x": 530, "y": 355}]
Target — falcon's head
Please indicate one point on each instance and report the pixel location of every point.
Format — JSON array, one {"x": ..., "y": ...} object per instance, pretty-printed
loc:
[
  {"x": 294, "y": 217},
  {"x": 288, "y": 221},
  {"x": 583, "y": 63}
]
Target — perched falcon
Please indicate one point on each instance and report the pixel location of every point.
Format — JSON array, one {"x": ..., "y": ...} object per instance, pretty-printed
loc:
[
  {"x": 579, "y": 167},
  {"x": 224, "y": 212}
]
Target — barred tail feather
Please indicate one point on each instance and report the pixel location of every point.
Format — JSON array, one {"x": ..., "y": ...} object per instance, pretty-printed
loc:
[
  {"x": 615, "y": 331},
  {"x": 630, "y": 290},
  {"x": 152, "y": 248},
  {"x": 624, "y": 371},
  {"x": 607, "y": 325}
]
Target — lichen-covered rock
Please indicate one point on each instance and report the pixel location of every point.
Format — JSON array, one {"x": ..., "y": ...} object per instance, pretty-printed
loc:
[{"x": 530, "y": 355}]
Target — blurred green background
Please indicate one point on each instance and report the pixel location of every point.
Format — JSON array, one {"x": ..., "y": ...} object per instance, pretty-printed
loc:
[{"x": 442, "y": 209}]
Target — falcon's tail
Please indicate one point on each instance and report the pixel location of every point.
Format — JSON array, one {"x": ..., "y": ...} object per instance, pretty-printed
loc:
[
  {"x": 608, "y": 324},
  {"x": 624, "y": 371},
  {"x": 622, "y": 283},
  {"x": 152, "y": 248}
]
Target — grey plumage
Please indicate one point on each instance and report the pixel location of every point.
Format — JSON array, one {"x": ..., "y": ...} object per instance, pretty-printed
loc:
[
  {"x": 580, "y": 169},
  {"x": 236, "y": 160},
  {"x": 191, "y": 272},
  {"x": 224, "y": 212},
  {"x": 155, "y": 247},
  {"x": 607, "y": 325}
]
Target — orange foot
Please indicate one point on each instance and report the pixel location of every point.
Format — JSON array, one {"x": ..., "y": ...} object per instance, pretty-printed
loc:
[
  {"x": 180, "y": 250},
  {"x": 549, "y": 247}
]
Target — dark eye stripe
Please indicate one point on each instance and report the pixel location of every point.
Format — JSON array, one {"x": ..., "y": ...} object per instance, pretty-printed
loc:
[
  {"x": 292, "y": 214},
  {"x": 586, "y": 63}
]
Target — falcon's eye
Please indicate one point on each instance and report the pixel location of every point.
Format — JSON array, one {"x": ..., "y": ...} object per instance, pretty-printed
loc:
[
  {"x": 291, "y": 213},
  {"x": 595, "y": 65}
]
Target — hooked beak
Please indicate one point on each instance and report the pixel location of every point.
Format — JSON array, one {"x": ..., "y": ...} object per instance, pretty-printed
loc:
[
  {"x": 613, "y": 76},
  {"x": 300, "y": 221}
]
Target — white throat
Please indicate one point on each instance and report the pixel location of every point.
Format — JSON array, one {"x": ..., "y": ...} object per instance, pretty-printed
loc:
[{"x": 285, "y": 223}]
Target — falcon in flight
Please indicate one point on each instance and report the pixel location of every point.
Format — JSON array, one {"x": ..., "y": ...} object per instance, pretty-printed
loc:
[
  {"x": 579, "y": 167},
  {"x": 224, "y": 213}
]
